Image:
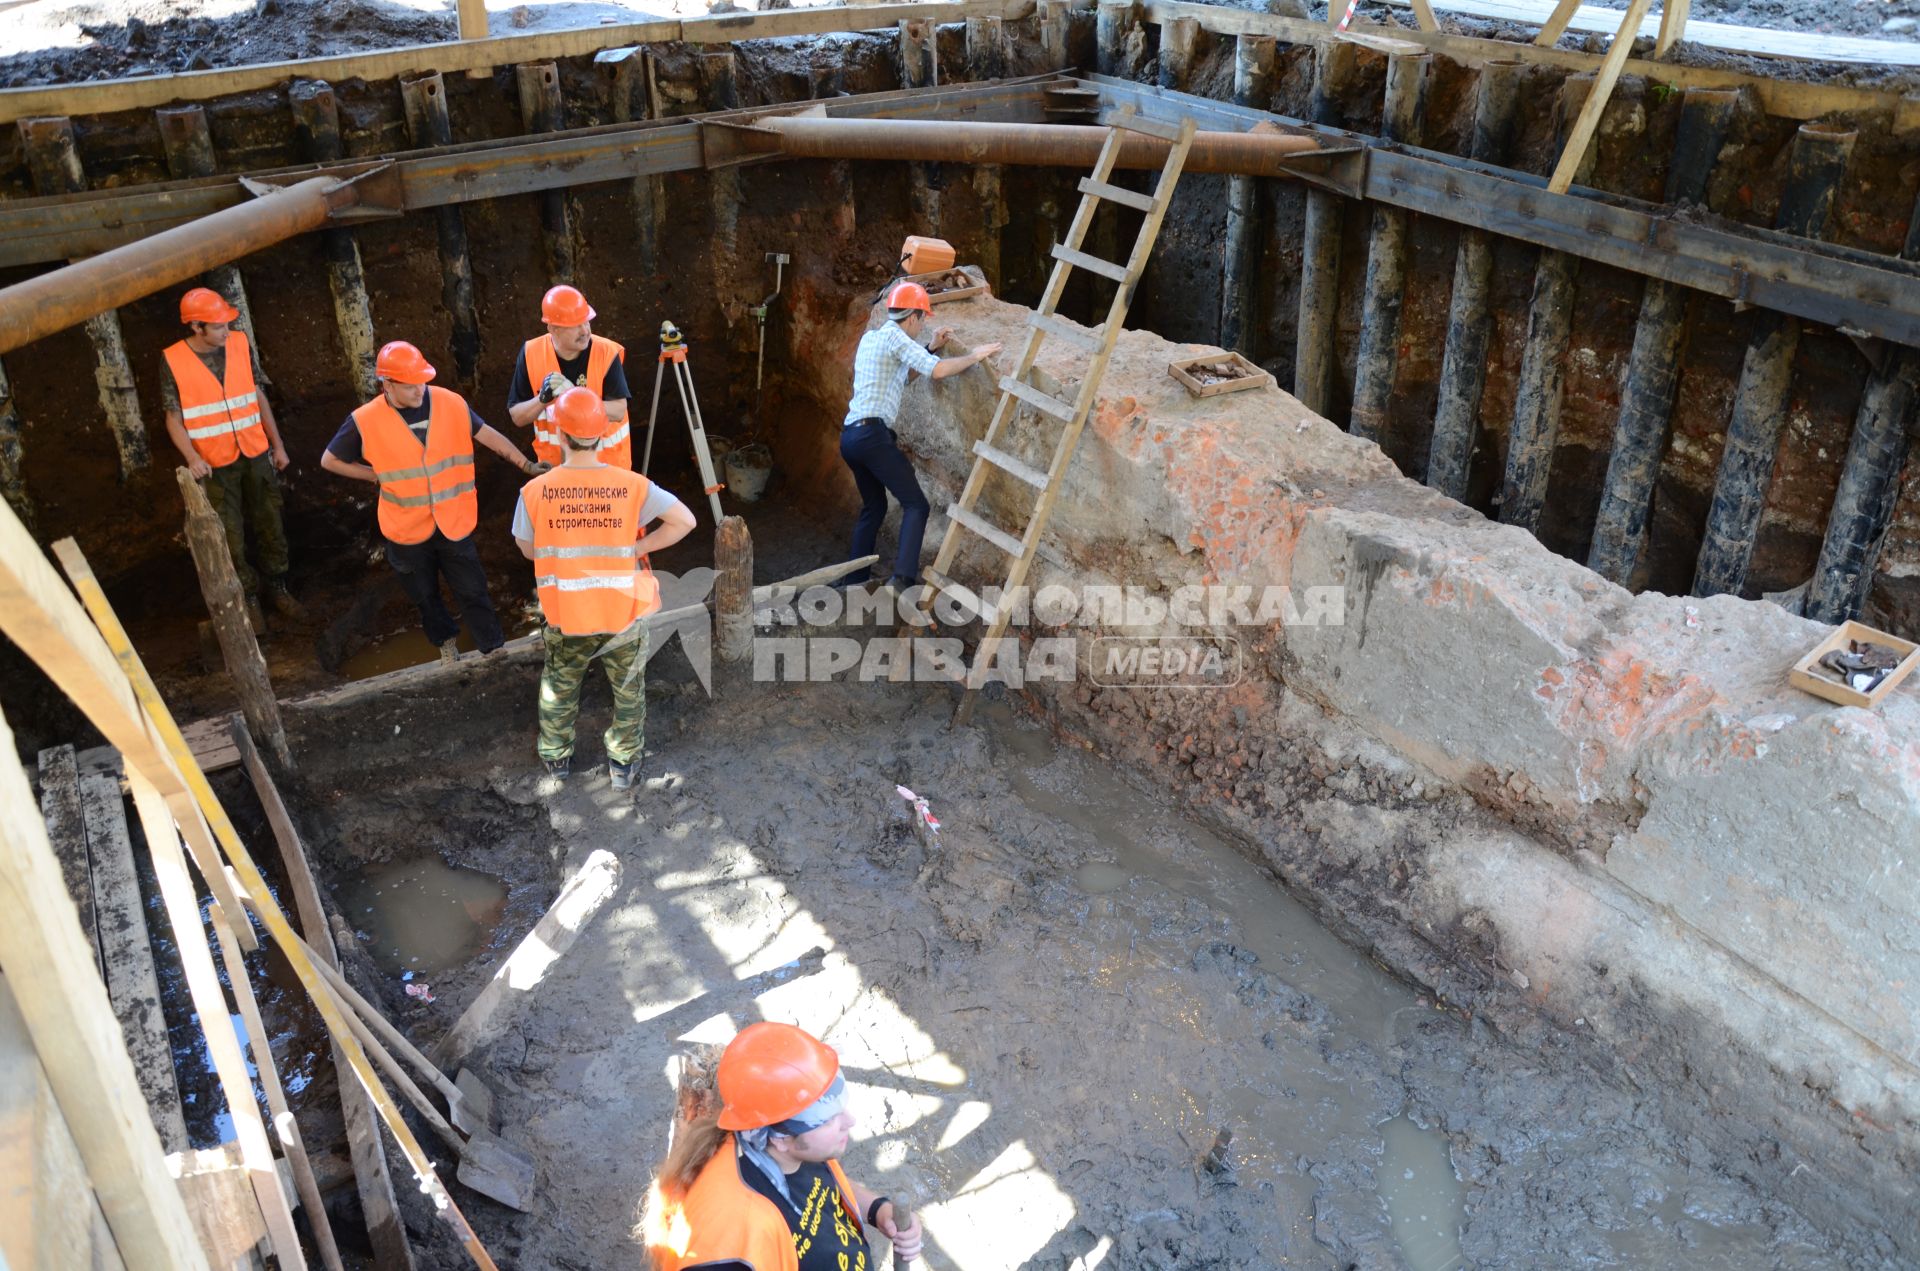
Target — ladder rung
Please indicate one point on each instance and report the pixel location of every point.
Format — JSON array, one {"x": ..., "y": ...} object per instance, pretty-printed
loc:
[
  {"x": 1034, "y": 397},
  {"x": 1068, "y": 331},
  {"x": 1007, "y": 463},
  {"x": 1115, "y": 194},
  {"x": 986, "y": 529},
  {"x": 1151, "y": 127},
  {"x": 1093, "y": 264},
  {"x": 988, "y": 613}
]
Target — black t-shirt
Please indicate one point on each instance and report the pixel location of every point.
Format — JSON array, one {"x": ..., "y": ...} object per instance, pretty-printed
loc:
[
  {"x": 575, "y": 369},
  {"x": 346, "y": 442},
  {"x": 824, "y": 1238}
]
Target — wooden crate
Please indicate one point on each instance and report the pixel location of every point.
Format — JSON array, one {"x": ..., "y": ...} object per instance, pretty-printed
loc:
[
  {"x": 979, "y": 288},
  {"x": 1251, "y": 375},
  {"x": 1820, "y": 684}
]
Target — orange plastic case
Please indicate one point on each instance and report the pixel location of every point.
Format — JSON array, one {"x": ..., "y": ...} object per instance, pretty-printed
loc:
[{"x": 921, "y": 255}]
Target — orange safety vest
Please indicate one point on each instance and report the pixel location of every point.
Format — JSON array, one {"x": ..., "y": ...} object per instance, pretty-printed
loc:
[
  {"x": 586, "y": 522},
  {"x": 722, "y": 1217},
  {"x": 422, "y": 486},
  {"x": 222, "y": 420},
  {"x": 616, "y": 450}
]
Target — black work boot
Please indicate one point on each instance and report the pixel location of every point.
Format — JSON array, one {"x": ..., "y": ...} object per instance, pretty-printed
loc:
[{"x": 560, "y": 768}]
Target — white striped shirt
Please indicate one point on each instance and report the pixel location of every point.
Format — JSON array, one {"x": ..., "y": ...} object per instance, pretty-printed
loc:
[{"x": 880, "y": 367}]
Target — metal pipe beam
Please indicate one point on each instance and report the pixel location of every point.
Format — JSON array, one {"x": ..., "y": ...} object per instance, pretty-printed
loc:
[{"x": 54, "y": 301}]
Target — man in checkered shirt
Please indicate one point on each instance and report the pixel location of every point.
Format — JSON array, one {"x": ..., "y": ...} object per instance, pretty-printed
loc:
[{"x": 881, "y": 365}]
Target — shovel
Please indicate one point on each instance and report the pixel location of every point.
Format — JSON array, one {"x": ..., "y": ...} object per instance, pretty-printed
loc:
[{"x": 489, "y": 1164}]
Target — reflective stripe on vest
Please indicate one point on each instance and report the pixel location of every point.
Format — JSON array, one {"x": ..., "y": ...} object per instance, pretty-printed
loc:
[
  {"x": 586, "y": 530},
  {"x": 543, "y": 360},
  {"x": 422, "y": 487},
  {"x": 229, "y": 410}
]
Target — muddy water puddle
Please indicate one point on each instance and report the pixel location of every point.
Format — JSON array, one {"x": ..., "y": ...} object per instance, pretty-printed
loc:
[
  {"x": 424, "y": 916},
  {"x": 1304, "y": 1117}
]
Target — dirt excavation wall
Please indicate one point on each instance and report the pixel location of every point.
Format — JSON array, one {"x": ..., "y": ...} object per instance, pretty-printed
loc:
[{"x": 1559, "y": 805}]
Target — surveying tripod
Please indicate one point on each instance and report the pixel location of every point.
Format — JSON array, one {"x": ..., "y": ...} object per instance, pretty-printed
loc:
[{"x": 673, "y": 352}]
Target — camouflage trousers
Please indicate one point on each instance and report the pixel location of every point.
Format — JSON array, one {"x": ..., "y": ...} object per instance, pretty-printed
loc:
[
  {"x": 246, "y": 494},
  {"x": 565, "y": 674}
]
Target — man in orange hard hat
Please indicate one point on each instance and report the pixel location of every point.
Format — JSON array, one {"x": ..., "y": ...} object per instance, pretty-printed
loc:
[
  {"x": 223, "y": 426},
  {"x": 761, "y": 1180},
  {"x": 583, "y": 525},
  {"x": 887, "y": 355},
  {"x": 568, "y": 356},
  {"x": 416, "y": 444}
]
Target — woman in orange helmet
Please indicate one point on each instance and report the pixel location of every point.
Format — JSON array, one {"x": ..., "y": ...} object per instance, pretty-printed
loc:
[{"x": 760, "y": 1181}]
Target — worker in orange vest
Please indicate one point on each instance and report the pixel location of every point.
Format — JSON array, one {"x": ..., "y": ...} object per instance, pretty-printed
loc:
[
  {"x": 416, "y": 444},
  {"x": 583, "y": 527},
  {"x": 223, "y": 426},
  {"x": 760, "y": 1180},
  {"x": 568, "y": 356}
]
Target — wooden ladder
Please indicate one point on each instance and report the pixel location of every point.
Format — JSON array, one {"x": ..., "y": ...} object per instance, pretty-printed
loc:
[{"x": 1017, "y": 390}]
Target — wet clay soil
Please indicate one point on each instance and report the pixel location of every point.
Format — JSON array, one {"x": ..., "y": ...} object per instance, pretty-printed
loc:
[{"x": 1048, "y": 1021}]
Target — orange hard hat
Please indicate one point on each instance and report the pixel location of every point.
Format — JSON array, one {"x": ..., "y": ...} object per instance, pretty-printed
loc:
[
  {"x": 564, "y": 306},
  {"x": 771, "y": 1072},
  {"x": 403, "y": 364},
  {"x": 203, "y": 304},
  {"x": 579, "y": 413},
  {"x": 909, "y": 295}
]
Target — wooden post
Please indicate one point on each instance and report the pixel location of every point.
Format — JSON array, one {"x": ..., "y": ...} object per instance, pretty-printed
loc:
[
  {"x": 1535, "y": 430},
  {"x": 13, "y": 477},
  {"x": 1386, "y": 279},
  {"x": 1253, "y": 61},
  {"x": 631, "y": 101},
  {"x": 987, "y": 59},
  {"x": 733, "y": 590},
  {"x": 1673, "y": 26},
  {"x": 1815, "y": 166},
  {"x": 1313, "y": 358},
  {"x": 1556, "y": 24},
  {"x": 377, "y": 1204},
  {"x": 317, "y": 124},
  {"x": 1179, "y": 47},
  {"x": 1653, "y": 367},
  {"x": 203, "y": 986},
  {"x": 920, "y": 68},
  {"x": 189, "y": 146},
  {"x": 425, "y": 99},
  {"x": 54, "y": 161},
  {"x": 50, "y": 972},
  {"x": 126, "y": 951},
  {"x": 1573, "y": 154},
  {"x": 66, "y": 822},
  {"x": 1056, "y": 26},
  {"x": 207, "y": 539},
  {"x": 1463, "y": 372},
  {"x": 1114, "y": 27},
  {"x": 473, "y": 19},
  {"x": 541, "y": 110}
]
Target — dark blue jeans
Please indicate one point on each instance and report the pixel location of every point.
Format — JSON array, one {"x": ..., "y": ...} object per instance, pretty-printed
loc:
[
  {"x": 879, "y": 469},
  {"x": 421, "y": 566}
]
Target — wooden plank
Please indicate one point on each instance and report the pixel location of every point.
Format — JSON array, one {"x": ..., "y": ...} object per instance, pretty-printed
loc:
[
  {"x": 67, "y": 831},
  {"x": 1799, "y": 45},
  {"x": 1673, "y": 25},
  {"x": 1556, "y": 23},
  {"x": 1009, "y": 464},
  {"x": 984, "y": 528},
  {"x": 1581, "y": 135},
  {"x": 220, "y": 1201},
  {"x": 1072, "y": 332},
  {"x": 385, "y": 64},
  {"x": 181, "y": 899},
  {"x": 1785, "y": 98},
  {"x": 1092, "y": 264},
  {"x": 133, "y": 986},
  {"x": 1423, "y": 14},
  {"x": 49, "y": 1217},
  {"x": 1134, "y": 199},
  {"x": 44, "y": 957},
  {"x": 378, "y": 1206},
  {"x": 1036, "y": 398},
  {"x": 473, "y": 19}
]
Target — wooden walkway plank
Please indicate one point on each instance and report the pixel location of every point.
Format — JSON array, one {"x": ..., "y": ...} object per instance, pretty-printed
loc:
[
  {"x": 67, "y": 831},
  {"x": 132, "y": 982}
]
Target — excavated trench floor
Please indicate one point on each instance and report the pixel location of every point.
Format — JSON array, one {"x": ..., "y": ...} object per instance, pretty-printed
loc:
[{"x": 1050, "y": 1021}]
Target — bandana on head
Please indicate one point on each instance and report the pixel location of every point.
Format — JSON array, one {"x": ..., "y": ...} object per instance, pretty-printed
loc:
[{"x": 753, "y": 1143}]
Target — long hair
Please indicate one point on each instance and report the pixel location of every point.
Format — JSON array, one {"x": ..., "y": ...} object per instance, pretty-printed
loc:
[{"x": 662, "y": 1227}]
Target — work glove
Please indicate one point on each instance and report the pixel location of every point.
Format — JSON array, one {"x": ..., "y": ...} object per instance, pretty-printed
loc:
[
  {"x": 537, "y": 467},
  {"x": 552, "y": 386}
]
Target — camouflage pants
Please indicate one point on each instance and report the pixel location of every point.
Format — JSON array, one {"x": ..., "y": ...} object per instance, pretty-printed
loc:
[
  {"x": 248, "y": 490},
  {"x": 565, "y": 673}
]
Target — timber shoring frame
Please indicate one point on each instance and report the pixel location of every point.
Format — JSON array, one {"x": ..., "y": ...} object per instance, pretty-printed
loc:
[{"x": 1858, "y": 292}]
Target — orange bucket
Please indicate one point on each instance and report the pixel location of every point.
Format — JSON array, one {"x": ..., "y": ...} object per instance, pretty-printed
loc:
[{"x": 920, "y": 255}]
